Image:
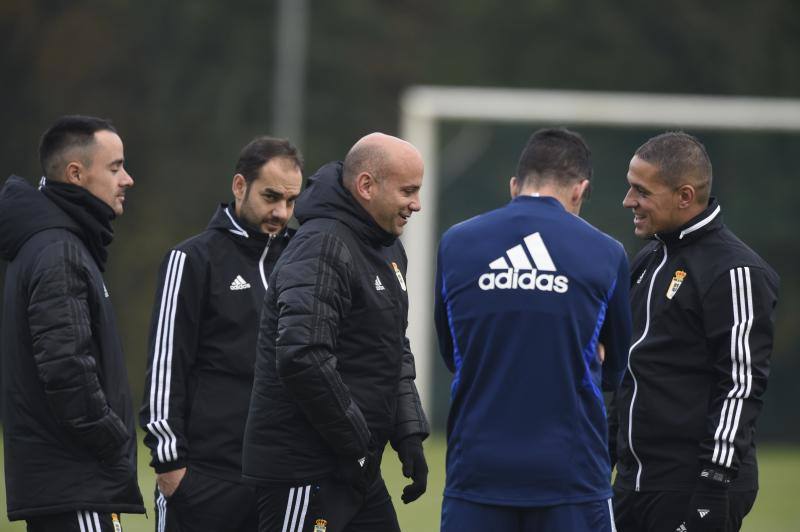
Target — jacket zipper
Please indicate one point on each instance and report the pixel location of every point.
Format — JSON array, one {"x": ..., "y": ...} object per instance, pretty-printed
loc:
[
  {"x": 630, "y": 369},
  {"x": 261, "y": 262}
]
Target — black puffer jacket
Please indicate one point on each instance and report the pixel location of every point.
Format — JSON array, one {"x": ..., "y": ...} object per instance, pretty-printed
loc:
[
  {"x": 67, "y": 414},
  {"x": 334, "y": 373}
]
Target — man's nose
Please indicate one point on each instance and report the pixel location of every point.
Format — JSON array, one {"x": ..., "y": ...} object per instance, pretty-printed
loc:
[{"x": 628, "y": 202}]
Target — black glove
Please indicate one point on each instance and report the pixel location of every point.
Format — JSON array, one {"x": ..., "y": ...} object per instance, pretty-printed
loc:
[
  {"x": 409, "y": 449},
  {"x": 708, "y": 507},
  {"x": 359, "y": 473}
]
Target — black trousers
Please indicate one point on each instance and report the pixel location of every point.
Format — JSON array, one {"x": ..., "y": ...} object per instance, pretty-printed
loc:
[
  {"x": 664, "y": 511},
  {"x": 79, "y": 521},
  {"x": 326, "y": 506},
  {"x": 207, "y": 504}
]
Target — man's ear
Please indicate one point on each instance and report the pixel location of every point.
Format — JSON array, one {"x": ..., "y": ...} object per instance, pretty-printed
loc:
[
  {"x": 365, "y": 185},
  {"x": 580, "y": 191},
  {"x": 239, "y": 188},
  {"x": 513, "y": 186},
  {"x": 686, "y": 196},
  {"x": 72, "y": 173}
]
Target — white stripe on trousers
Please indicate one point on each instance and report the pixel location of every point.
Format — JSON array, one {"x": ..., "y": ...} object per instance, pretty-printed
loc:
[
  {"x": 161, "y": 508},
  {"x": 741, "y": 371},
  {"x": 89, "y": 521},
  {"x": 161, "y": 370},
  {"x": 299, "y": 496}
]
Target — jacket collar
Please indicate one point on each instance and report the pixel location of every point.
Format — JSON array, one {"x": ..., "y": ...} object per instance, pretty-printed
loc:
[
  {"x": 225, "y": 219},
  {"x": 707, "y": 221},
  {"x": 531, "y": 199}
]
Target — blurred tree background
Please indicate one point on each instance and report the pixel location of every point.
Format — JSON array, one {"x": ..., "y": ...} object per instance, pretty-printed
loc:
[{"x": 188, "y": 83}]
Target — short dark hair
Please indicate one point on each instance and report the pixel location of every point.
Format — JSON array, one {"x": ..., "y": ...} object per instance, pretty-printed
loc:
[
  {"x": 68, "y": 132},
  {"x": 680, "y": 158},
  {"x": 557, "y": 155},
  {"x": 262, "y": 150}
]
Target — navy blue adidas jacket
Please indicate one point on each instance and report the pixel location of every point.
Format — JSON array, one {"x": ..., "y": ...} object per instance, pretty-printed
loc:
[{"x": 524, "y": 294}]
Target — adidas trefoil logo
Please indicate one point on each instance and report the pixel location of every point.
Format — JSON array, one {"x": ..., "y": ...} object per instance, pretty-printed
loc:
[
  {"x": 378, "y": 284},
  {"x": 239, "y": 284},
  {"x": 520, "y": 273},
  {"x": 703, "y": 512}
]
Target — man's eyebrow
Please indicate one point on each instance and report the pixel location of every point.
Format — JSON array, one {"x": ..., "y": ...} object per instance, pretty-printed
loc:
[
  {"x": 120, "y": 161},
  {"x": 273, "y": 191}
]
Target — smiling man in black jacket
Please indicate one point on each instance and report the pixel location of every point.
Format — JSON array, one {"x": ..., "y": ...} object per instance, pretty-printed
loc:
[
  {"x": 334, "y": 372},
  {"x": 703, "y": 314},
  {"x": 68, "y": 423},
  {"x": 203, "y": 341}
]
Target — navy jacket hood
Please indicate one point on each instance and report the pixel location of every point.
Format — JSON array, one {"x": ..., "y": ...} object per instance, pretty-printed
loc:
[
  {"x": 326, "y": 197},
  {"x": 24, "y": 211}
]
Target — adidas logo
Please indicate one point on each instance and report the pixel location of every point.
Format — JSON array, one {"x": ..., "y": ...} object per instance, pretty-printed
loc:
[
  {"x": 519, "y": 273},
  {"x": 239, "y": 284},
  {"x": 362, "y": 461},
  {"x": 378, "y": 284},
  {"x": 703, "y": 512}
]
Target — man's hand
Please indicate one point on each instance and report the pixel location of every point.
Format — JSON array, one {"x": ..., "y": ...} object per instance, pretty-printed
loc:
[
  {"x": 601, "y": 352},
  {"x": 414, "y": 467},
  {"x": 168, "y": 482},
  {"x": 708, "y": 508}
]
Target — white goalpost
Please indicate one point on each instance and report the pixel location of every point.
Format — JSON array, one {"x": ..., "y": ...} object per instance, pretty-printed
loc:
[{"x": 422, "y": 108}]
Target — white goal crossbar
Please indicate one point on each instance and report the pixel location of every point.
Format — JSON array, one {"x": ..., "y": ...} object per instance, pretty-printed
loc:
[{"x": 422, "y": 108}]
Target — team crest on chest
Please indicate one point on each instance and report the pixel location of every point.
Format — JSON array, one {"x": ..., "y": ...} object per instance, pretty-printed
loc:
[
  {"x": 399, "y": 275},
  {"x": 320, "y": 525},
  {"x": 677, "y": 281}
]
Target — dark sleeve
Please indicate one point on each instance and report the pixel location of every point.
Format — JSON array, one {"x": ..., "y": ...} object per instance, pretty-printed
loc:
[
  {"x": 313, "y": 297},
  {"x": 616, "y": 332},
  {"x": 440, "y": 317},
  {"x": 61, "y": 328},
  {"x": 739, "y": 317},
  {"x": 172, "y": 347},
  {"x": 409, "y": 417},
  {"x": 612, "y": 415}
]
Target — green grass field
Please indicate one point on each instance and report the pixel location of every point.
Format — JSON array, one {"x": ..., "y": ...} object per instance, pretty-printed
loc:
[{"x": 776, "y": 509}]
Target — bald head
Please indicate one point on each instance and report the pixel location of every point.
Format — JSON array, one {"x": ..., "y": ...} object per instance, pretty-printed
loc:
[
  {"x": 384, "y": 174},
  {"x": 380, "y": 155}
]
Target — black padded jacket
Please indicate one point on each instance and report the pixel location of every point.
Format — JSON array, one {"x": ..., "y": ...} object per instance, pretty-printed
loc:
[
  {"x": 334, "y": 372},
  {"x": 67, "y": 414}
]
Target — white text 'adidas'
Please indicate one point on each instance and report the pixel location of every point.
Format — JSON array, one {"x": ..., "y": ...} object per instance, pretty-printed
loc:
[
  {"x": 520, "y": 273},
  {"x": 239, "y": 283}
]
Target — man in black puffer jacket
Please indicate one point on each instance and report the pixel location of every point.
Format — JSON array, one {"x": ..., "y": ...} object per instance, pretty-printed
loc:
[
  {"x": 334, "y": 371},
  {"x": 70, "y": 450}
]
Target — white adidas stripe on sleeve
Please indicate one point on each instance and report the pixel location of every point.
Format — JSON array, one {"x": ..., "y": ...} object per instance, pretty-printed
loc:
[
  {"x": 161, "y": 371},
  {"x": 741, "y": 370}
]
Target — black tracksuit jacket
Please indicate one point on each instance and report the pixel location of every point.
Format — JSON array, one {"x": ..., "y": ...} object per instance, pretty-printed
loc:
[
  {"x": 68, "y": 418},
  {"x": 202, "y": 346},
  {"x": 334, "y": 372},
  {"x": 703, "y": 315}
]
